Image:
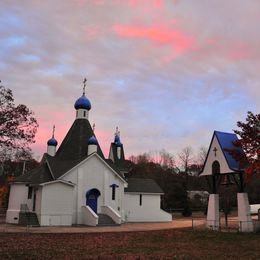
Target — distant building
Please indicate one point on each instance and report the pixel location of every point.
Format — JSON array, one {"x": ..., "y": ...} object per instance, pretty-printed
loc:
[{"x": 78, "y": 185}]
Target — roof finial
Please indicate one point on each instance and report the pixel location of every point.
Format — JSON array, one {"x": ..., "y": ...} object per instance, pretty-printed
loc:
[
  {"x": 53, "y": 131},
  {"x": 93, "y": 127},
  {"x": 84, "y": 87},
  {"x": 117, "y": 131}
]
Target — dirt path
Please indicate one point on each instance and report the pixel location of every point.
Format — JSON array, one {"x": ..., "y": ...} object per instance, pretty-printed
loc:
[{"x": 175, "y": 224}]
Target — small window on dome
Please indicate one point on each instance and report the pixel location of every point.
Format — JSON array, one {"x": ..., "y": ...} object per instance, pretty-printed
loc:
[{"x": 84, "y": 113}]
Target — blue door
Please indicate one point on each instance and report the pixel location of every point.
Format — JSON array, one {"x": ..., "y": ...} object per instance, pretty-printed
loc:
[{"x": 92, "y": 199}]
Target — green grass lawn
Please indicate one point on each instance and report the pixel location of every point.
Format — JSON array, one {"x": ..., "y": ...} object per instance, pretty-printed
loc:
[{"x": 168, "y": 244}]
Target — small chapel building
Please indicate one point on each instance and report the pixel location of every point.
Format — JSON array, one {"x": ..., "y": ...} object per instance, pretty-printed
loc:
[{"x": 77, "y": 185}]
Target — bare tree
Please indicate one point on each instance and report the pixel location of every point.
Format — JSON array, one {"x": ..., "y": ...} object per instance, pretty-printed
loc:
[
  {"x": 202, "y": 155},
  {"x": 167, "y": 159},
  {"x": 186, "y": 158},
  {"x": 162, "y": 157},
  {"x": 141, "y": 158}
]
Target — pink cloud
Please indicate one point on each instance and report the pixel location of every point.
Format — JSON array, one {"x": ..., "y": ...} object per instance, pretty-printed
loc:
[
  {"x": 160, "y": 35},
  {"x": 92, "y": 32},
  {"x": 240, "y": 52},
  {"x": 231, "y": 49}
]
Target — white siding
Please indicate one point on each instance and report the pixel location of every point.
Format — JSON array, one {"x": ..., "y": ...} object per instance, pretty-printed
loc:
[
  {"x": 38, "y": 204},
  {"x": 94, "y": 173},
  {"x": 56, "y": 205},
  {"x": 149, "y": 211},
  {"x": 18, "y": 195}
]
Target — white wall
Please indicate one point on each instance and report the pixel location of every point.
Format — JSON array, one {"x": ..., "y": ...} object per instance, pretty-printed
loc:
[
  {"x": 219, "y": 157},
  {"x": 80, "y": 113},
  {"x": 89, "y": 217},
  {"x": 149, "y": 211},
  {"x": 18, "y": 195},
  {"x": 56, "y": 205},
  {"x": 38, "y": 204},
  {"x": 93, "y": 173}
]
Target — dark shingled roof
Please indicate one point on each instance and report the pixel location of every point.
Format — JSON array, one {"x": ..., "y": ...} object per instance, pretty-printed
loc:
[
  {"x": 38, "y": 175},
  {"x": 143, "y": 186},
  {"x": 58, "y": 167},
  {"x": 75, "y": 144}
]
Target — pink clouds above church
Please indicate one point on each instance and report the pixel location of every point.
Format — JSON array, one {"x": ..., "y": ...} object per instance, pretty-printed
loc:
[
  {"x": 159, "y": 35},
  {"x": 166, "y": 70}
]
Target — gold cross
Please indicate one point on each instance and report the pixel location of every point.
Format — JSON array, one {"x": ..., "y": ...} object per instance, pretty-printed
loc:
[
  {"x": 117, "y": 132},
  {"x": 53, "y": 130},
  {"x": 215, "y": 151},
  {"x": 84, "y": 87}
]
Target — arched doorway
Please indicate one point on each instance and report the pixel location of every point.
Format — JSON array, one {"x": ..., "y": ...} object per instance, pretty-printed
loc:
[
  {"x": 92, "y": 199},
  {"x": 215, "y": 168}
]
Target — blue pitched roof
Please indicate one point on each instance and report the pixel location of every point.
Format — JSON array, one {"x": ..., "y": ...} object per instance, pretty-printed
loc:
[{"x": 226, "y": 142}]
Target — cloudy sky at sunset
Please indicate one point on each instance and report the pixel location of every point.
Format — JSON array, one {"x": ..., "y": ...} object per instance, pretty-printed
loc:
[{"x": 167, "y": 72}]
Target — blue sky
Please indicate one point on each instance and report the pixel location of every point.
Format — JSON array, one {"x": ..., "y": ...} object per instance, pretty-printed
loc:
[{"x": 168, "y": 73}]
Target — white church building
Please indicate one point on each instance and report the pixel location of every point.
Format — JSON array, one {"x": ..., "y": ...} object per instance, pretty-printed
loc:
[{"x": 77, "y": 185}]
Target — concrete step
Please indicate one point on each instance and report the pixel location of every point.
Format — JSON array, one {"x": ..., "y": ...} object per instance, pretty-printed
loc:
[
  {"x": 28, "y": 219},
  {"x": 105, "y": 220}
]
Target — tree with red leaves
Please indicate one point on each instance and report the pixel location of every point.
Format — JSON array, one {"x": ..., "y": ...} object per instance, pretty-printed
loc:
[
  {"x": 17, "y": 125},
  {"x": 249, "y": 141}
]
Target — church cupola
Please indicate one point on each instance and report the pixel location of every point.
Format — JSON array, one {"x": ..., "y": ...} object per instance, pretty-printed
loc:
[
  {"x": 82, "y": 104},
  {"x": 118, "y": 143},
  {"x": 116, "y": 149},
  {"x": 92, "y": 143},
  {"x": 52, "y": 143}
]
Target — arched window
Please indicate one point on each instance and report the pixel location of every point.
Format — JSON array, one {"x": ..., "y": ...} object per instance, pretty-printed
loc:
[{"x": 215, "y": 168}]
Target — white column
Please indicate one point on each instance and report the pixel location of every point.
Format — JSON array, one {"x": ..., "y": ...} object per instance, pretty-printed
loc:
[
  {"x": 244, "y": 217},
  {"x": 81, "y": 196},
  {"x": 213, "y": 212}
]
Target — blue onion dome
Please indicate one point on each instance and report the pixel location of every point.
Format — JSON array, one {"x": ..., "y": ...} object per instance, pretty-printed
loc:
[
  {"x": 93, "y": 140},
  {"x": 52, "y": 142},
  {"x": 117, "y": 140},
  {"x": 82, "y": 103}
]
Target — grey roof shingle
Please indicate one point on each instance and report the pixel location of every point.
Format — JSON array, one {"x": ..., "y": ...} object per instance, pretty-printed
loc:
[
  {"x": 38, "y": 175},
  {"x": 143, "y": 186},
  {"x": 75, "y": 144}
]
